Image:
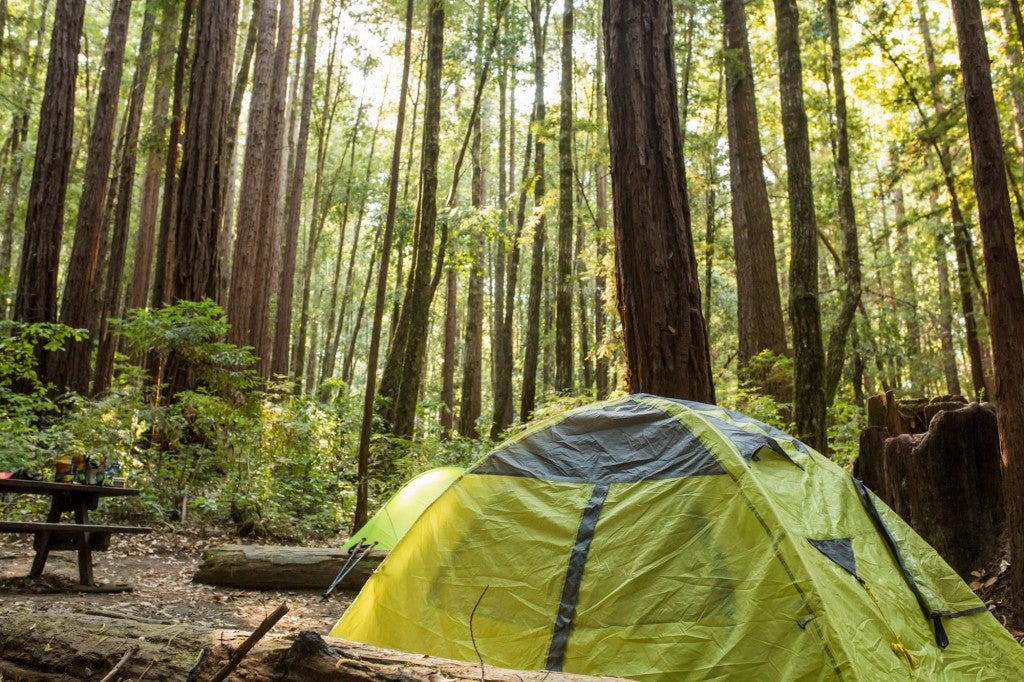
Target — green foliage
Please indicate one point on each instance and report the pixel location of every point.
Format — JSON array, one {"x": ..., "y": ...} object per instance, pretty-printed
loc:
[{"x": 26, "y": 402}]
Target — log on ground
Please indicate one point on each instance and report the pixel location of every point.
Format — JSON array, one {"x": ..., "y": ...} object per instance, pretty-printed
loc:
[
  {"x": 272, "y": 567},
  {"x": 47, "y": 646}
]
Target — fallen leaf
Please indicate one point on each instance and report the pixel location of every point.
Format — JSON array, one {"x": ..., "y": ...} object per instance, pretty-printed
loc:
[
  {"x": 978, "y": 574},
  {"x": 975, "y": 586},
  {"x": 991, "y": 581}
]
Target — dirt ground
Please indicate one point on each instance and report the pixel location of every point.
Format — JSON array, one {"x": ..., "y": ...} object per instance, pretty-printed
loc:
[{"x": 159, "y": 567}]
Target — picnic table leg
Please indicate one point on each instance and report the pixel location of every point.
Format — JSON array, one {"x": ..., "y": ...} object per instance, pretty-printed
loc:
[
  {"x": 44, "y": 540},
  {"x": 84, "y": 547}
]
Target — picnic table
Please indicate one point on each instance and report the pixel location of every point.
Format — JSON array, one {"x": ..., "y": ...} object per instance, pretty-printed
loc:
[{"x": 77, "y": 534}]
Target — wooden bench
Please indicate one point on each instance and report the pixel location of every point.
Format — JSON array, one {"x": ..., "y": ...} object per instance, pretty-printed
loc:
[{"x": 79, "y": 535}]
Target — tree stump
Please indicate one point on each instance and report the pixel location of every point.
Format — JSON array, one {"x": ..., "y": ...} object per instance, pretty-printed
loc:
[
  {"x": 273, "y": 567},
  {"x": 869, "y": 466},
  {"x": 898, "y": 454},
  {"x": 954, "y": 486}
]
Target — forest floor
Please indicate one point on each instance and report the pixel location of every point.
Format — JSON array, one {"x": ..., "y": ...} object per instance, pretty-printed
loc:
[{"x": 159, "y": 567}]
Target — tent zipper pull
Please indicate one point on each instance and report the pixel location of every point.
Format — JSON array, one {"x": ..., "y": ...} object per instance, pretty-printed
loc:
[{"x": 940, "y": 632}]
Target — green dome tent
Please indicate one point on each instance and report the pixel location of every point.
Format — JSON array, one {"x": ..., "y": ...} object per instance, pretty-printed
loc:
[
  {"x": 393, "y": 520},
  {"x": 661, "y": 539}
]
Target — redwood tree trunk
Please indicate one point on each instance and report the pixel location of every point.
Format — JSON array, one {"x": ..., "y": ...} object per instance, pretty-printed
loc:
[
  {"x": 84, "y": 276},
  {"x": 759, "y": 304},
  {"x": 837, "y": 339},
  {"x": 246, "y": 267},
  {"x": 804, "y": 311},
  {"x": 402, "y": 374},
  {"x": 563, "y": 272},
  {"x": 1002, "y": 269},
  {"x": 36, "y": 298},
  {"x": 123, "y": 209},
  {"x": 293, "y": 203},
  {"x": 149, "y": 203},
  {"x": 203, "y": 171},
  {"x": 659, "y": 297},
  {"x": 531, "y": 350},
  {"x": 163, "y": 273}
]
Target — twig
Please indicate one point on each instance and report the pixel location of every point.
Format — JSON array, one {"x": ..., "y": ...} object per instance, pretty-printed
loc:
[
  {"x": 472, "y": 637},
  {"x": 112, "y": 675},
  {"x": 250, "y": 642}
]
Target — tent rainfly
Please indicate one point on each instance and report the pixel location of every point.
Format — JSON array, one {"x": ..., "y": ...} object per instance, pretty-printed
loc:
[
  {"x": 394, "y": 519},
  {"x": 661, "y": 539}
]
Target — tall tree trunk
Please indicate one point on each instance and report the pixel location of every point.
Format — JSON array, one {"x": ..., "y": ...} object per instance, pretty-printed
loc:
[
  {"x": 246, "y": 267},
  {"x": 36, "y": 297},
  {"x": 658, "y": 293},
  {"x": 325, "y": 125},
  {"x": 347, "y": 292},
  {"x": 330, "y": 350},
  {"x": 268, "y": 247},
  {"x": 501, "y": 384},
  {"x": 71, "y": 369},
  {"x": 1002, "y": 273},
  {"x": 293, "y": 202},
  {"x": 563, "y": 273},
  {"x": 451, "y": 330},
  {"x": 1011, "y": 14},
  {"x": 908, "y": 288},
  {"x": 149, "y": 202},
  {"x": 471, "y": 395},
  {"x": 961, "y": 236},
  {"x": 582, "y": 303},
  {"x": 370, "y": 393},
  {"x": 18, "y": 149},
  {"x": 837, "y": 339},
  {"x": 758, "y": 301},
  {"x": 601, "y": 379},
  {"x": 503, "y": 399},
  {"x": 805, "y": 314},
  {"x": 163, "y": 274},
  {"x": 531, "y": 354},
  {"x": 123, "y": 208},
  {"x": 203, "y": 169},
  {"x": 400, "y": 381}
]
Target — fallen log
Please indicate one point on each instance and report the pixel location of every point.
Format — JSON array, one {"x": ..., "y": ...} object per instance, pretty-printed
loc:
[
  {"x": 273, "y": 567},
  {"x": 50, "y": 646}
]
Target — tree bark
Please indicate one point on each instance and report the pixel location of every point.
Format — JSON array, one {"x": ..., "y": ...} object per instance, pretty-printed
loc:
[
  {"x": 759, "y": 303},
  {"x": 804, "y": 307},
  {"x": 123, "y": 208},
  {"x": 246, "y": 267},
  {"x": 149, "y": 202},
  {"x": 836, "y": 357},
  {"x": 84, "y": 276},
  {"x": 539, "y": 12},
  {"x": 373, "y": 353},
  {"x": 163, "y": 275},
  {"x": 400, "y": 382},
  {"x": 271, "y": 567},
  {"x": 451, "y": 330},
  {"x": 601, "y": 379},
  {"x": 203, "y": 170},
  {"x": 293, "y": 203},
  {"x": 563, "y": 272},
  {"x": 268, "y": 251},
  {"x": 36, "y": 297},
  {"x": 1002, "y": 269},
  {"x": 658, "y": 292}
]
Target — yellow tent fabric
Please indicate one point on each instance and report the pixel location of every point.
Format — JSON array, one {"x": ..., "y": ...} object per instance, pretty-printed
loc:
[
  {"x": 393, "y": 520},
  {"x": 660, "y": 539}
]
